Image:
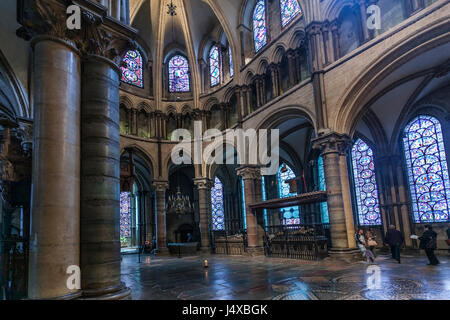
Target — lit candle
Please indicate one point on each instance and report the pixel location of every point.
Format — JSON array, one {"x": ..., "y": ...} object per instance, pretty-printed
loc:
[{"x": 205, "y": 263}]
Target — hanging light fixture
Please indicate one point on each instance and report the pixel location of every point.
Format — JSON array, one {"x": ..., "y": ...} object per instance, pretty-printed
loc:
[{"x": 179, "y": 204}]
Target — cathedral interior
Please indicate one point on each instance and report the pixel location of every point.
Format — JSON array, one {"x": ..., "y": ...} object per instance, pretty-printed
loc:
[{"x": 129, "y": 166}]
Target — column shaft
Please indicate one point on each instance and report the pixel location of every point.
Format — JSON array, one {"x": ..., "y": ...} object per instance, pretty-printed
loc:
[
  {"x": 100, "y": 179},
  {"x": 54, "y": 244}
]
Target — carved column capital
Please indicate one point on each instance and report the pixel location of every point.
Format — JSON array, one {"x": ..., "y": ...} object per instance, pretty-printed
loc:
[
  {"x": 203, "y": 183},
  {"x": 332, "y": 143},
  {"x": 249, "y": 172},
  {"x": 99, "y": 34},
  {"x": 160, "y": 185}
]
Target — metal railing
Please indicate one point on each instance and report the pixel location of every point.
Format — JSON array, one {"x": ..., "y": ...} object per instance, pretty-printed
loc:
[
  {"x": 13, "y": 269},
  {"x": 306, "y": 242}
]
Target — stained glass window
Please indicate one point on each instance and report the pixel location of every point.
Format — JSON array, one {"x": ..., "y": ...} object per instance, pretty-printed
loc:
[
  {"x": 214, "y": 65},
  {"x": 289, "y": 10},
  {"x": 264, "y": 198},
  {"x": 231, "y": 62},
  {"x": 259, "y": 25},
  {"x": 323, "y": 187},
  {"x": 427, "y": 170},
  {"x": 244, "y": 216},
  {"x": 132, "y": 71},
  {"x": 365, "y": 185},
  {"x": 291, "y": 215},
  {"x": 218, "y": 216},
  {"x": 125, "y": 218},
  {"x": 179, "y": 74}
]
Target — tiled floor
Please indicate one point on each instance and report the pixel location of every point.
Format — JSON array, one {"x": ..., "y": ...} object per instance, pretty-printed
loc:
[{"x": 243, "y": 278}]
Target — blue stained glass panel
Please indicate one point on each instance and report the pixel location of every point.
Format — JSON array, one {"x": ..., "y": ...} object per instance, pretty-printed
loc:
[
  {"x": 179, "y": 74},
  {"x": 427, "y": 170},
  {"x": 244, "y": 216},
  {"x": 323, "y": 187},
  {"x": 259, "y": 25},
  {"x": 366, "y": 188},
  {"x": 289, "y": 10},
  {"x": 214, "y": 66},
  {"x": 218, "y": 213}
]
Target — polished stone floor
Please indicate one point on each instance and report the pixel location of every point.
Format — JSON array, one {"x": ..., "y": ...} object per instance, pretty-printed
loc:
[{"x": 261, "y": 278}]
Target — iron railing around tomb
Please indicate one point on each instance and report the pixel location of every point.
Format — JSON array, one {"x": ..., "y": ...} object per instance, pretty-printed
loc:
[
  {"x": 306, "y": 242},
  {"x": 225, "y": 242},
  {"x": 13, "y": 269}
]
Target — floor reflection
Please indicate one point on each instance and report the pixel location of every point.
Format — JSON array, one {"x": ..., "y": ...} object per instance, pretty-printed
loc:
[{"x": 261, "y": 278}]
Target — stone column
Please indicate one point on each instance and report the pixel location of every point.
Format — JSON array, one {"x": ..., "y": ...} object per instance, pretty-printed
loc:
[
  {"x": 55, "y": 215},
  {"x": 331, "y": 146},
  {"x": 160, "y": 192},
  {"x": 275, "y": 79},
  {"x": 204, "y": 186},
  {"x": 292, "y": 69},
  {"x": 100, "y": 180},
  {"x": 252, "y": 194}
]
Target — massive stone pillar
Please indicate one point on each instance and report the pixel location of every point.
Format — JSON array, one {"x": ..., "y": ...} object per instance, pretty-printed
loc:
[
  {"x": 100, "y": 180},
  {"x": 251, "y": 176},
  {"x": 204, "y": 186},
  {"x": 160, "y": 192},
  {"x": 332, "y": 146},
  {"x": 55, "y": 216}
]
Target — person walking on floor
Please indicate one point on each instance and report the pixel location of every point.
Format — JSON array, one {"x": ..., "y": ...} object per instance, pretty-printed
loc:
[
  {"x": 448, "y": 238},
  {"x": 429, "y": 244},
  {"x": 394, "y": 239},
  {"x": 371, "y": 240},
  {"x": 361, "y": 243}
]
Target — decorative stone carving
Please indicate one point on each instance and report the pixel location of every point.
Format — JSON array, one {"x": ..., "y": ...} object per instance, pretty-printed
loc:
[
  {"x": 332, "y": 143},
  {"x": 160, "y": 186},
  {"x": 249, "y": 172},
  {"x": 203, "y": 183},
  {"x": 95, "y": 37}
]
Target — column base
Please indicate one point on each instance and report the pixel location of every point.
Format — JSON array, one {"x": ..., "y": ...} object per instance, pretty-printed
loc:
[
  {"x": 162, "y": 252},
  {"x": 254, "y": 251},
  {"x": 120, "y": 292},
  {"x": 345, "y": 255},
  {"x": 205, "y": 250},
  {"x": 70, "y": 296}
]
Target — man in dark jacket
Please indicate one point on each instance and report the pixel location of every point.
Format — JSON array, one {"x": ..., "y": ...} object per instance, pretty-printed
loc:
[
  {"x": 448, "y": 238},
  {"x": 394, "y": 239},
  {"x": 428, "y": 243}
]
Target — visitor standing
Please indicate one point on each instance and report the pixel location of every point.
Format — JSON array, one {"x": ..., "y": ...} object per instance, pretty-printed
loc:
[
  {"x": 428, "y": 242},
  {"x": 371, "y": 240},
  {"x": 361, "y": 243},
  {"x": 394, "y": 239}
]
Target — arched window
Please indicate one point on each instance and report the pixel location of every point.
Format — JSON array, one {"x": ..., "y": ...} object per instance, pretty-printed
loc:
[
  {"x": 214, "y": 65},
  {"x": 289, "y": 10},
  {"x": 218, "y": 216},
  {"x": 230, "y": 54},
  {"x": 132, "y": 71},
  {"x": 427, "y": 170},
  {"x": 323, "y": 187},
  {"x": 125, "y": 218},
  {"x": 365, "y": 183},
  {"x": 259, "y": 25},
  {"x": 291, "y": 215},
  {"x": 179, "y": 74}
]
